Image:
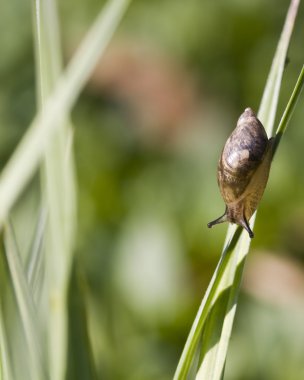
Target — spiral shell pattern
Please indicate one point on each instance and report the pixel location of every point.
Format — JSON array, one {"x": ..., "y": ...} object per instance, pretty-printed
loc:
[{"x": 243, "y": 170}]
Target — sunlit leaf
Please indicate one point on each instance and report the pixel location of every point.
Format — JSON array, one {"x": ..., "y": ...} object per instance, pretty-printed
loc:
[{"x": 213, "y": 323}]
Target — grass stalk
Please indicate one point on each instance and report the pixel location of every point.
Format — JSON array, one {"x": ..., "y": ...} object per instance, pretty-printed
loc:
[
  {"x": 213, "y": 323},
  {"x": 29, "y": 152},
  {"x": 58, "y": 189}
]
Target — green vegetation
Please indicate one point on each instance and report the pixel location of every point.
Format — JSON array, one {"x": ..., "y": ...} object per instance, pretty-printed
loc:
[{"x": 111, "y": 124}]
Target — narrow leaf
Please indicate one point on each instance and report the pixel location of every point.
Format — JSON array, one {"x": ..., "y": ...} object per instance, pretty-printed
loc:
[
  {"x": 58, "y": 189},
  {"x": 28, "y": 154},
  {"x": 25, "y": 306},
  {"x": 35, "y": 257},
  {"x": 212, "y": 331},
  {"x": 5, "y": 363},
  {"x": 290, "y": 108}
]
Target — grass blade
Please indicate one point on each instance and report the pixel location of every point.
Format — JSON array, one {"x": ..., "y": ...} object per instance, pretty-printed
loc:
[
  {"x": 25, "y": 306},
  {"x": 213, "y": 323},
  {"x": 58, "y": 189},
  {"x": 25, "y": 161},
  {"x": 289, "y": 108},
  {"x": 28, "y": 154},
  {"x": 268, "y": 106},
  {"x": 35, "y": 261},
  {"x": 5, "y": 363}
]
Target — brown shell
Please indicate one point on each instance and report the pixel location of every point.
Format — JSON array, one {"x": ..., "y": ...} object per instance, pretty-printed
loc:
[{"x": 243, "y": 170}]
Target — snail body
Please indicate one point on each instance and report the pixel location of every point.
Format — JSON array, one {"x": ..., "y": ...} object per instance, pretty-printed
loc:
[{"x": 243, "y": 170}]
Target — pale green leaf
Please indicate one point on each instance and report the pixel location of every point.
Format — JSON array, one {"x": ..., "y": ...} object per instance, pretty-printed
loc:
[
  {"x": 213, "y": 323},
  {"x": 58, "y": 189},
  {"x": 26, "y": 309},
  {"x": 28, "y": 154}
]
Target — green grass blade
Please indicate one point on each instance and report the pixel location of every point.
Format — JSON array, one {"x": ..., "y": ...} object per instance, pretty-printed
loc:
[
  {"x": 289, "y": 108},
  {"x": 268, "y": 106},
  {"x": 5, "y": 365},
  {"x": 27, "y": 155},
  {"x": 58, "y": 181},
  {"x": 213, "y": 323},
  {"x": 26, "y": 308},
  {"x": 35, "y": 257},
  {"x": 58, "y": 189}
]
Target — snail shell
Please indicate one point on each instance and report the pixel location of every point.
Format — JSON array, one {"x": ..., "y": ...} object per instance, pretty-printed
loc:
[{"x": 243, "y": 170}]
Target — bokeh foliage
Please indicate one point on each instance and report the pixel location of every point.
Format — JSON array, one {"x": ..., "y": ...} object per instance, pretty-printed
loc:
[{"x": 148, "y": 130}]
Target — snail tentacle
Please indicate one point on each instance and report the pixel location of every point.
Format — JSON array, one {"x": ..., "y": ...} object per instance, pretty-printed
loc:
[
  {"x": 221, "y": 219},
  {"x": 244, "y": 223}
]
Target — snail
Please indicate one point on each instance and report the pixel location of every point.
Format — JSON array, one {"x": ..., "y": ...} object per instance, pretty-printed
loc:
[{"x": 243, "y": 170}]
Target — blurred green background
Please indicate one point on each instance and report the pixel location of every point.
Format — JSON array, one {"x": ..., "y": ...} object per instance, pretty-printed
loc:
[{"x": 149, "y": 129}]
